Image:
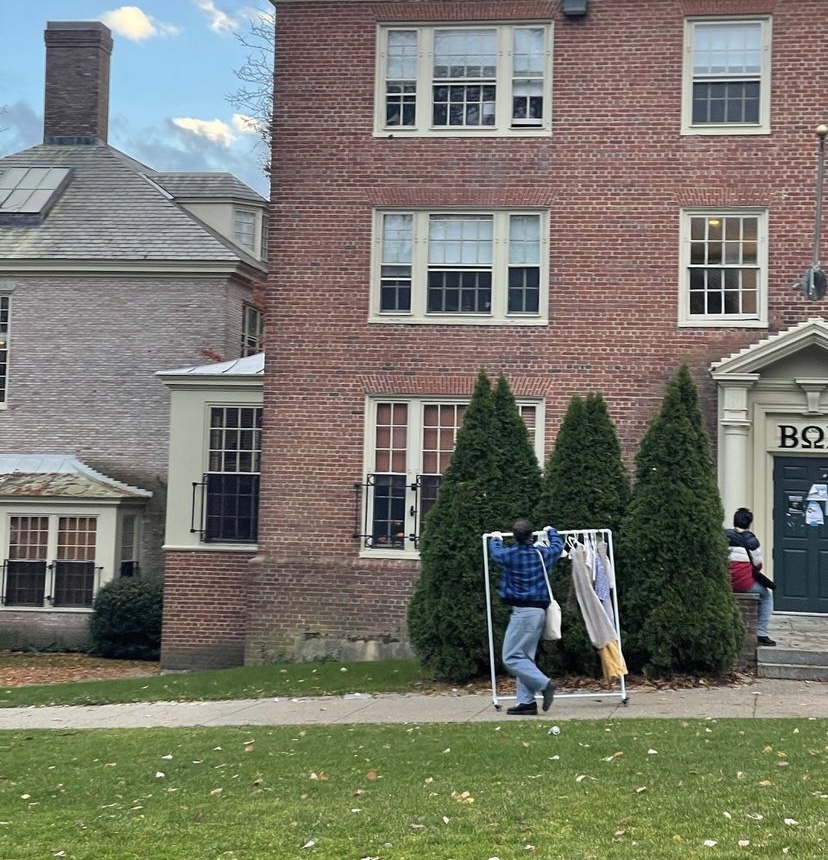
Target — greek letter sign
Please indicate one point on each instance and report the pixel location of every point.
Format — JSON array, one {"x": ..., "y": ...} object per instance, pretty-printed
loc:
[{"x": 807, "y": 437}]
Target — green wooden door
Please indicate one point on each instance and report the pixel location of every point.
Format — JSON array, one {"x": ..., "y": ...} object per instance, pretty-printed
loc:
[{"x": 800, "y": 545}]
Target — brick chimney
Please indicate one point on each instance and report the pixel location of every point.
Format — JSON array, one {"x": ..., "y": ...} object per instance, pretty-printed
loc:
[{"x": 76, "y": 105}]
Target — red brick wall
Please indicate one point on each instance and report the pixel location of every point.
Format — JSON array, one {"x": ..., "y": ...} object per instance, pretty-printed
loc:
[
  {"x": 205, "y": 597},
  {"x": 615, "y": 173}
]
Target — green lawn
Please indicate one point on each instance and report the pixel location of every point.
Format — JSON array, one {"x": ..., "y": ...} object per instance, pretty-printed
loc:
[
  {"x": 601, "y": 790},
  {"x": 247, "y": 682}
]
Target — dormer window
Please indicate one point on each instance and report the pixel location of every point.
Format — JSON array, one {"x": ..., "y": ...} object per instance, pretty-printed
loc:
[{"x": 244, "y": 229}]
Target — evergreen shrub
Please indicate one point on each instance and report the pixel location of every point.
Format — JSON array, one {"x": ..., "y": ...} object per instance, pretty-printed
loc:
[
  {"x": 677, "y": 609},
  {"x": 126, "y": 618}
]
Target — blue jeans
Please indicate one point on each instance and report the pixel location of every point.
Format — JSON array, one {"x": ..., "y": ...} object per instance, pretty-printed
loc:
[
  {"x": 765, "y": 607},
  {"x": 520, "y": 644}
]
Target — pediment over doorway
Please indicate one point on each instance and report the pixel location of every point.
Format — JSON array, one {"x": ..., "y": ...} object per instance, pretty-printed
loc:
[{"x": 797, "y": 352}]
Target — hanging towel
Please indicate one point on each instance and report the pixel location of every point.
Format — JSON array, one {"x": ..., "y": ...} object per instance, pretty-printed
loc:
[
  {"x": 602, "y": 583},
  {"x": 612, "y": 661},
  {"x": 599, "y": 628}
]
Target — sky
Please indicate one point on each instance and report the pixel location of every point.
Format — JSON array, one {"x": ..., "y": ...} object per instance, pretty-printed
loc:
[{"x": 173, "y": 64}]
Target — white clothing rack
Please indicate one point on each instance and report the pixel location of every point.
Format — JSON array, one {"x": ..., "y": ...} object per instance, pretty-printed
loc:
[{"x": 570, "y": 538}]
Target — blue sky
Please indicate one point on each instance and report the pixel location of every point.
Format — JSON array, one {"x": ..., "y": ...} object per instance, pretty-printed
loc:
[{"x": 173, "y": 64}]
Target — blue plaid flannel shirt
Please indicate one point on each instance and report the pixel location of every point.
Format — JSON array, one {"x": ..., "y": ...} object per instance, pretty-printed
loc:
[{"x": 522, "y": 582}]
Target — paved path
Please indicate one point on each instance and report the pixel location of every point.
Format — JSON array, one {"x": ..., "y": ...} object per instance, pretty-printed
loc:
[{"x": 762, "y": 698}]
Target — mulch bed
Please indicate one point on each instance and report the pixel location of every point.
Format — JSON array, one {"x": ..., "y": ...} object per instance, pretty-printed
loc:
[{"x": 22, "y": 668}]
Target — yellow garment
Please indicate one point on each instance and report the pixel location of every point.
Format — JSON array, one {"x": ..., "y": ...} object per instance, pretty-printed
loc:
[{"x": 612, "y": 661}]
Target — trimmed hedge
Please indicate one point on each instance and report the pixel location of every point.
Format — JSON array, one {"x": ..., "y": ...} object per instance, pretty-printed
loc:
[{"x": 126, "y": 621}]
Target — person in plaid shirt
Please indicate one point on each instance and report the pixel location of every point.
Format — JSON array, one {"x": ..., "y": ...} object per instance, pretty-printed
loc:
[{"x": 523, "y": 587}]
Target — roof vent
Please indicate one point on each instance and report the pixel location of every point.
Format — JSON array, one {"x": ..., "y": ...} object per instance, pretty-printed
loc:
[{"x": 574, "y": 8}]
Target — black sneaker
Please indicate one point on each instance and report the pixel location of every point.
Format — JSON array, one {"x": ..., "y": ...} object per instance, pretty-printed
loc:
[
  {"x": 524, "y": 709},
  {"x": 548, "y": 696},
  {"x": 765, "y": 640}
]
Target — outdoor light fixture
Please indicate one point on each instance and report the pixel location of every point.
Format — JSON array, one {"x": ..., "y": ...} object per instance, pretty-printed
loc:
[
  {"x": 574, "y": 8},
  {"x": 814, "y": 282}
]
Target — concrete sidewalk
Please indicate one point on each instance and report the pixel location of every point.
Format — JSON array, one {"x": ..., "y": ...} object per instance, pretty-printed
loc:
[{"x": 760, "y": 698}]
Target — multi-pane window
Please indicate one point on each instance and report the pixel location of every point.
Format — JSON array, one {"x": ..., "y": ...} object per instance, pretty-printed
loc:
[
  {"x": 25, "y": 567},
  {"x": 51, "y": 560},
  {"x": 74, "y": 566},
  {"x": 251, "y": 340},
  {"x": 410, "y": 444},
  {"x": 725, "y": 264},
  {"x": 244, "y": 227},
  {"x": 478, "y": 266},
  {"x": 129, "y": 545},
  {"x": 5, "y": 310},
  {"x": 465, "y": 79},
  {"x": 231, "y": 491},
  {"x": 727, "y": 76}
]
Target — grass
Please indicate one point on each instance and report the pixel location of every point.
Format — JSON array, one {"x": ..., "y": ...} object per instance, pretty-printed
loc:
[
  {"x": 248, "y": 682},
  {"x": 625, "y": 790}
]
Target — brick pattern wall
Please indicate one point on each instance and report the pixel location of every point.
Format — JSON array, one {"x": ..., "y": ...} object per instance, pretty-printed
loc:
[
  {"x": 96, "y": 394},
  {"x": 615, "y": 173},
  {"x": 748, "y": 606},
  {"x": 205, "y": 607}
]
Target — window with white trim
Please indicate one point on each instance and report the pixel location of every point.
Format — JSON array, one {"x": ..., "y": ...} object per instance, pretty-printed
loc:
[
  {"x": 454, "y": 267},
  {"x": 251, "y": 339},
  {"x": 230, "y": 502},
  {"x": 50, "y": 561},
  {"x": 244, "y": 229},
  {"x": 409, "y": 443},
  {"x": 724, "y": 267},
  {"x": 727, "y": 76},
  {"x": 490, "y": 79},
  {"x": 5, "y": 312}
]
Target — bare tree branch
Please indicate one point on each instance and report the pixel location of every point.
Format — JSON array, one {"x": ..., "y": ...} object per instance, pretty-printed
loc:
[{"x": 254, "y": 98}]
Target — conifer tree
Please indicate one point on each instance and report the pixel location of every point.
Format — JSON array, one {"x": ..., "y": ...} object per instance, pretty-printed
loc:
[
  {"x": 487, "y": 485},
  {"x": 678, "y": 610},
  {"x": 585, "y": 486}
]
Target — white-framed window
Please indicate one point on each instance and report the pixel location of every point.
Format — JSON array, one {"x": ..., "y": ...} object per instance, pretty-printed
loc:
[
  {"x": 452, "y": 79},
  {"x": 408, "y": 446},
  {"x": 229, "y": 510},
  {"x": 50, "y": 560},
  {"x": 724, "y": 267},
  {"x": 727, "y": 76},
  {"x": 5, "y": 316},
  {"x": 129, "y": 543},
  {"x": 244, "y": 229},
  {"x": 252, "y": 330},
  {"x": 476, "y": 267}
]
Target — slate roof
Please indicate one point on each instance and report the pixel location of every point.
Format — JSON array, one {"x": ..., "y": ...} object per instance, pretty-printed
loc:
[
  {"x": 110, "y": 211},
  {"x": 59, "y": 475},
  {"x": 210, "y": 185}
]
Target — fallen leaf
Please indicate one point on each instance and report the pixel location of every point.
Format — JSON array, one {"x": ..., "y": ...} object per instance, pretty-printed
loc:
[
  {"x": 727, "y": 815},
  {"x": 790, "y": 821},
  {"x": 372, "y": 774},
  {"x": 743, "y": 843},
  {"x": 309, "y": 844},
  {"x": 710, "y": 843}
]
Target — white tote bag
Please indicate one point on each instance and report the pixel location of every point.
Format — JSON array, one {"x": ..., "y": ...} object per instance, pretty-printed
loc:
[{"x": 552, "y": 625}]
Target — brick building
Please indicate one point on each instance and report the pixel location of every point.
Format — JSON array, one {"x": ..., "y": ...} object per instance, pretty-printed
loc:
[
  {"x": 109, "y": 270},
  {"x": 582, "y": 195}
]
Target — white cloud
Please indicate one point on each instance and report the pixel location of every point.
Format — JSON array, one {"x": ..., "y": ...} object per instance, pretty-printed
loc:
[
  {"x": 213, "y": 129},
  {"x": 220, "y": 22},
  {"x": 133, "y": 23},
  {"x": 246, "y": 124}
]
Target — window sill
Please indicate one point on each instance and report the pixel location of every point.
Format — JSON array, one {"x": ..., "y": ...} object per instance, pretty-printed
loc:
[
  {"x": 457, "y": 320},
  {"x": 211, "y": 547},
  {"x": 723, "y": 323}
]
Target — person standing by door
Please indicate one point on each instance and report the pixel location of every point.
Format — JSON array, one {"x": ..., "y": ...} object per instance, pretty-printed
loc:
[
  {"x": 523, "y": 587},
  {"x": 745, "y": 565}
]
